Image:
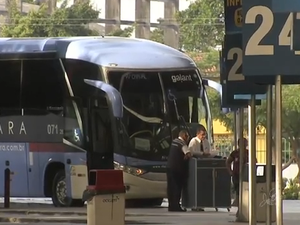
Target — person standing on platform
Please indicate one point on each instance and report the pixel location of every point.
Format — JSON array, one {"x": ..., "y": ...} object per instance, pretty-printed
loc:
[
  {"x": 177, "y": 170},
  {"x": 199, "y": 145},
  {"x": 199, "y": 148},
  {"x": 233, "y": 166}
]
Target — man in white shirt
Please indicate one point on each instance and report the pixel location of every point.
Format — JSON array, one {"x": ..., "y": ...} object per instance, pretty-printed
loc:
[{"x": 199, "y": 147}]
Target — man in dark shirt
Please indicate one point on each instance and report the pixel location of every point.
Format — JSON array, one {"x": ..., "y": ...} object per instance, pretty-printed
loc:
[
  {"x": 177, "y": 170},
  {"x": 234, "y": 158}
]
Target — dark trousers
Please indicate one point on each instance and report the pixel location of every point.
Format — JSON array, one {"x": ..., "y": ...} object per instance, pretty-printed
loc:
[
  {"x": 236, "y": 183},
  {"x": 175, "y": 182}
]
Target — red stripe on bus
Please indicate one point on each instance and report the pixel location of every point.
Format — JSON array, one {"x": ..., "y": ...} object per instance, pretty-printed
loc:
[{"x": 47, "y": 147}]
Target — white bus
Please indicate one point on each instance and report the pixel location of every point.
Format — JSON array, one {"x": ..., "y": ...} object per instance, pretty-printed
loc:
[{"x": 162, "y": 92}]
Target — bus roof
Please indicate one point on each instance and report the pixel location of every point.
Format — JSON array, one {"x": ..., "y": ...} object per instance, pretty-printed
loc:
[{"x": 114, "y": 52}]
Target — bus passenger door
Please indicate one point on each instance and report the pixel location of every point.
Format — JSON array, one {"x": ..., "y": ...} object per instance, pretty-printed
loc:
[{"x": 14, "y": 157}]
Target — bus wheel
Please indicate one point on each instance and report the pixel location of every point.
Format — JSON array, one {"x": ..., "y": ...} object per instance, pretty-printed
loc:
[{"x": 59, "y": 192}]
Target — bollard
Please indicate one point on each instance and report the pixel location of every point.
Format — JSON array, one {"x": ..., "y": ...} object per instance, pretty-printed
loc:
[
  {"x": 6, "y": 188},
  {"x": 105, "y": 198}
]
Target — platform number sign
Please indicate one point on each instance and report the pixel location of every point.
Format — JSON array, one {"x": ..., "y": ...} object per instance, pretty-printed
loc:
[
  {"x": 267, "y": 41},
  {"x": 254, "y": 46},
  {"x": 232, "y": 78},
  {"x": 233, "y": 57},
  {"x": 235, "y": 54}
]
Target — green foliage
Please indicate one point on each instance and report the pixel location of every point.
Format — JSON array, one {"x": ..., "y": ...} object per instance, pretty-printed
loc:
[
  {"x": 29, "y": 1},
  {"x": 290, "y": 112},
  {"x": 290, "y": 119},
  {"x": 284, "y": 182},
  {"x": 207, "y": 62},
  {"x": 127, "y": 32},
  {"x": 292, "y": 191},
  {"x": 201, "y": 30},
  {"x": 65, "y": 21},
  {"x": 215, "y": 107},
  {"x": 201, "y": 26},
  {"x": 71, "y": 21},
  {"x": 157, "y": 35}
]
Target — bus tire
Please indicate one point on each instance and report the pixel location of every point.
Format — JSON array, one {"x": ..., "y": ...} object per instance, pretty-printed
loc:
[{"x": 59, "y": 192}]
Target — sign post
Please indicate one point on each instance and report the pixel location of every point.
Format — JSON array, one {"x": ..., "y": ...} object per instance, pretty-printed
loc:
[
  {"x": 269, "y": 152},
  {"x": 278, "y": 129},
  {"x": 252, "y": 161}
]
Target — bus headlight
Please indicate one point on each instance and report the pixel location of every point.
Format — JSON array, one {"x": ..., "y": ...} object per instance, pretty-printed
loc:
[{"x": 129, "y": 169}]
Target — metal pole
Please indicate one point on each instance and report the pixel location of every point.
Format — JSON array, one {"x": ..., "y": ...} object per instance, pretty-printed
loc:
[
  {"x": 269, "y": 153},
  {"x": 252, "y": 161},
  {"x": 278, "y": 140},
  {"x": 7, "y": 188},
  {"x": 242, "y": 152},
  {"x": 236, "y": 128}
]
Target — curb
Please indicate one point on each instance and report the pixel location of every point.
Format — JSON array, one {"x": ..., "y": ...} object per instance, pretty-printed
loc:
[
  {"x": 24, "y": 205},
  {"x": 38, "y": 213},
  {"x": 54, "y": 220},
  {"x": 31, "y": 212},
  {"x": 61, "y": 214},
  {"x": 39, "y": 220}
]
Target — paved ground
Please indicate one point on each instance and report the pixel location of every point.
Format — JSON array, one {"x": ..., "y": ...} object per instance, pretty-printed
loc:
[{"x": 49, "y": 215}]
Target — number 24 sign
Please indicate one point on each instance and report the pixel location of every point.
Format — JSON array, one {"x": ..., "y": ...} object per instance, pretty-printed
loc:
[{"x": 266, "y": 41}]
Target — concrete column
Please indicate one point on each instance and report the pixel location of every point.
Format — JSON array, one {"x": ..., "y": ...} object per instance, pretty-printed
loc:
[
  {"x": 7, "y": 5},
  {"x": 51, "y": 5},
  {"x": 113, "y": 14},
  {"x": 142, "y": 19},
  {"x": 171, "y": 31}
]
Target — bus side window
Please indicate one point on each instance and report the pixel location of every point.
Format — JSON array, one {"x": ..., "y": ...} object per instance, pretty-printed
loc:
[{"x": 73, "y": 131}]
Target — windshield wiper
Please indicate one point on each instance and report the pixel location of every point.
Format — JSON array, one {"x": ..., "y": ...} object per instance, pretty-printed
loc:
[{"x": 181, "y": 122}]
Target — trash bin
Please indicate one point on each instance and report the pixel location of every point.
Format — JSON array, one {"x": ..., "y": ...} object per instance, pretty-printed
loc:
[
  {"x": 105, "y": 196},
  {"x": 262, "y": 197},
  {"x": 208, "y": 185}
]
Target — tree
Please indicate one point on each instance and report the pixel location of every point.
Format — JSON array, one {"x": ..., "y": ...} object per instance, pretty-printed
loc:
[
  {"x": 201, "y": 25},
  {"x": 207, "y": 62},
  {"x": 65, "y": 21},
  {"x": 126, "y": 32},
  {"x": 29, "y": 1},
  {"x": 290, "y": 119},
  {"x": 157, "y": 35}
]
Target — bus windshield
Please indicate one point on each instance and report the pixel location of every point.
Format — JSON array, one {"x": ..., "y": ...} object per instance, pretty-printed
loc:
[
  {"x": 150, "y": 121},
  {"x": 187, "y": 102}
]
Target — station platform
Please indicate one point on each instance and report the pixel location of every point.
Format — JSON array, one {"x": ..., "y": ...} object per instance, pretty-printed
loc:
[{"x": 45, "y": 215}]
